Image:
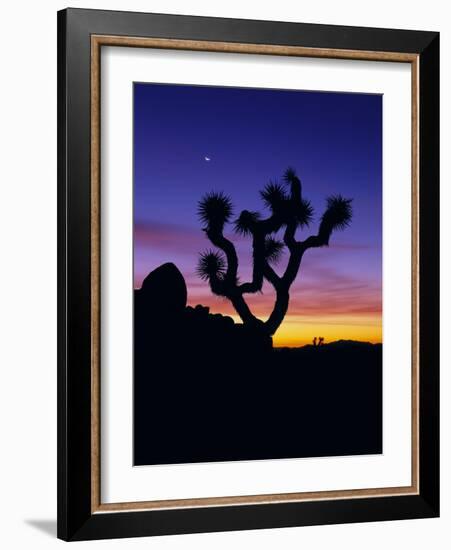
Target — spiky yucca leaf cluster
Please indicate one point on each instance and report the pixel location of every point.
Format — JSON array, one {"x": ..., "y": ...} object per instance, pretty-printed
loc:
[
  {"x": 274, "y": 196},
  {"x": 211, "y": 265},
  {"x": 303, "y": 212},
  {"x": 288, "y": 206},
  {"x": 337, "y": 216},
  {"x": 290, "y": 175},
  {"x": 214, "y": 210},
  {"x": 273, "y": 249},
  {"x": 245, "y": 223}
]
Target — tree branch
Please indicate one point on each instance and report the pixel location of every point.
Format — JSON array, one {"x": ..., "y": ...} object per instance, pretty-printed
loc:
[
  {"x": 258, "y": 256},
  {"x": 314, "y": 241},
  {"x": 259, "y": 231},
  {"x": 289, "y": 237},
  {"x": 218, "y": 239},
  {"x": 271, "y": 276}
]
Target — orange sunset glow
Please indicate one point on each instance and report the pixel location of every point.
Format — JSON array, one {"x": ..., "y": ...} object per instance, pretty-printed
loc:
[{"x": 299, "y": 329}]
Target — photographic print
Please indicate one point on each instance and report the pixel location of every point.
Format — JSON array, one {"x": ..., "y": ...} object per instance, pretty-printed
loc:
[
  {"x": 248, "y": 269},
  {"x": 257, "y": 273}
]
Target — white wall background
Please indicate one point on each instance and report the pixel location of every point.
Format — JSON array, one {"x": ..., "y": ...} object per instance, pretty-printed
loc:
[{"x": 28, "y": 273}]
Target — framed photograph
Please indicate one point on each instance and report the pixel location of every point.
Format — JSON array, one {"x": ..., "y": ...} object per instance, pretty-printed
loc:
[{"x": 248, "y": 274}]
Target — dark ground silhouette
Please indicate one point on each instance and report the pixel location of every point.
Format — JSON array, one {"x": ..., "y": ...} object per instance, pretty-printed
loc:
[{"x": 207, "y": 389}]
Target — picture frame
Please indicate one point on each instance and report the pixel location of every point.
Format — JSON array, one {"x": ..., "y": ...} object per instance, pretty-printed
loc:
[{"x": 81, "y": 36}]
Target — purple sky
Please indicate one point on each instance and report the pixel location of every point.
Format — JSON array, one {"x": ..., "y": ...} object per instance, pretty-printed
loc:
[{"x": 333, "y": 140}]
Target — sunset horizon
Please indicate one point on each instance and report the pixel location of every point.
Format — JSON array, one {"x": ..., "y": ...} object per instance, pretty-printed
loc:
[{"x": 300, "y": 330}]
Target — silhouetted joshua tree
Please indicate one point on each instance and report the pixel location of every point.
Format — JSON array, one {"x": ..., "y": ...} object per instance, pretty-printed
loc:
[{"x": 288, "y": 212}]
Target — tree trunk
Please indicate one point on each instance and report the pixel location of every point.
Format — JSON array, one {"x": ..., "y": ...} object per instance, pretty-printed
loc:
[
  {"x": 243, "y": 310},
  {"x": 280, "y": 309}
]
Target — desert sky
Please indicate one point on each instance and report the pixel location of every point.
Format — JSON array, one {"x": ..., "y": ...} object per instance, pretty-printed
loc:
[{"x": 189, "y": 140}]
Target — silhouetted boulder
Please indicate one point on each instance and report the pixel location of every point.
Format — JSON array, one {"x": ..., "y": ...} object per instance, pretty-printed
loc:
[
  {"x": 162, "y": 317},
  {"x": 202, "y": 311},
  {"x": 163, "y": 292}
]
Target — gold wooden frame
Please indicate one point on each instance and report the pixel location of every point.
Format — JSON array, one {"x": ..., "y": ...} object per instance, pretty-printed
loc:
[{"x": 97, "y": 41}]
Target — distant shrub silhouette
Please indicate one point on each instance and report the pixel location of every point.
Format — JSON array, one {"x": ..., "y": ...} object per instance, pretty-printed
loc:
[
  {"x": 289, "y": 211},
  {"x": 318, "y": 341}
]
